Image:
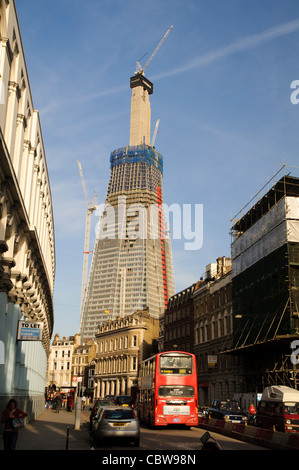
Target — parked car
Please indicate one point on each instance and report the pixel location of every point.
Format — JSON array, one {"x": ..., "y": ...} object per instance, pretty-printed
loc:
[
  {"x": 116, "y": 422},
  {"x": 110, "y": 397},
  {"x": 203, "y": 411},
  {"x": 279, "y": 409},
  {"x": 229, "y": 410},
  {"x": 123, "y": 400},
  {"x": 97, "y": 405}
]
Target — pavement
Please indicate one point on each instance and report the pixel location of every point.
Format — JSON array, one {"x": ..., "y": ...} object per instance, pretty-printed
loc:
[{"x": 55, "y": 431}]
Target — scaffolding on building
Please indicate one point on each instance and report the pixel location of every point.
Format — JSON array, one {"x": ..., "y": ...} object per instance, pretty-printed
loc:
[{"x": 265, "y": 279}]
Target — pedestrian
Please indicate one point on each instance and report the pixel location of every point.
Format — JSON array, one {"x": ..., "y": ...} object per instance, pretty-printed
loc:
[
  {"x": 11, "y": 417},
  {"x": 58, "y": 404},
  {"x": 69, "y": 403},
  {"x": 252, "y": 409}
]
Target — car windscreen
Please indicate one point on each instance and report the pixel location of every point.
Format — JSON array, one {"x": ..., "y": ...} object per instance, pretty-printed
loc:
[
  {"x": 123, "y": 400},
  {"x": 118, "y": 414},
  {"x": 291, "y": 408},
  {"x": 230, "y": 406}
]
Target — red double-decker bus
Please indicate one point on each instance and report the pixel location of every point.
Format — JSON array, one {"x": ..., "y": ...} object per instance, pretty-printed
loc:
[{"x": 167, "y": 389}]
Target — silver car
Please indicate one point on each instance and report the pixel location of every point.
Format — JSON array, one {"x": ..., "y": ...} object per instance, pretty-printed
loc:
[{"x": 116, "y": 422}]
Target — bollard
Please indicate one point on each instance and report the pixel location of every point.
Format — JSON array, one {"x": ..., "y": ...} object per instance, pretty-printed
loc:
[
  {"x": 67, "y": 437},
  {"x": 78, "y": 414}
]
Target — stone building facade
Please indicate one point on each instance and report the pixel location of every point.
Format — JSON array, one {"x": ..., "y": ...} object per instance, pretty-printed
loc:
[
  {"x": 59, "y": 373},
  {"x": 177, "y": 323},
  {"x": 83, "y": 356},
  {"x": 218, "y": 373},
  {"x": 27, "y": 246},
  {"x": 122, "y": 344}
]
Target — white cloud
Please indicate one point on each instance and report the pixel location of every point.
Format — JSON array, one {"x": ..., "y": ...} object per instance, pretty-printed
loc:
[{"x": 238, "y": 46}]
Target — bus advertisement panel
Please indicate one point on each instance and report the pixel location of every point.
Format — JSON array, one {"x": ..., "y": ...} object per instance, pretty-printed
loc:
[{"x": 167, "y": 389}]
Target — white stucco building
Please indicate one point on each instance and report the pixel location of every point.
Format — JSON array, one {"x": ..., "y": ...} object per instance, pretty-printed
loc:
[{"x": 27, "y": 247}]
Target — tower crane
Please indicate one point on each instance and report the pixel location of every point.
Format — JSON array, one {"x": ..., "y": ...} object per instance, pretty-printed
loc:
[
  {"x": 140, "y": 69},
  {"x": 91, "y": 207},
  {"x": 155, "y": 133}
]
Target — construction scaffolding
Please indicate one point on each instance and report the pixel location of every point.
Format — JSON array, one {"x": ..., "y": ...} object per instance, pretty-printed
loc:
[{"x": 265, "y": 280}]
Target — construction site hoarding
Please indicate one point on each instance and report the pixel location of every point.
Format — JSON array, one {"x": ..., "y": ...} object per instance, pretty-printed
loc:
[{"x": 280, "y": 225}]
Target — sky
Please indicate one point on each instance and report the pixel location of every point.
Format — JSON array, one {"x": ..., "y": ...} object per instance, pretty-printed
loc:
[{"x": 229, "y": 117}]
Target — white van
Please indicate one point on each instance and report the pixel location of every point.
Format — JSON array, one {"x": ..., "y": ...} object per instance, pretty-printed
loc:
[{"x": 279, "y": 409}]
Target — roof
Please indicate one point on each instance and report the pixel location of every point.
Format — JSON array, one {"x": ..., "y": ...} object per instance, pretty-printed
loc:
[
  {"x": 280, "y": 393},
  {"x": 286, "y": 186}
]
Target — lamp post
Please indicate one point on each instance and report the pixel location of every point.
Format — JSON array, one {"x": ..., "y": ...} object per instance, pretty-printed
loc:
[{"x": 78, "y": 407}]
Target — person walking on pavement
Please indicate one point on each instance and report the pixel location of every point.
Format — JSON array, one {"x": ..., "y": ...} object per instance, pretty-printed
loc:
[
  {"x": 11, "y": 417},
  {"x": 252, "y": 409},
  {"x": 70, "y": 403},
  {"x": 83, "y": 402},
  {"x": 58, "y": 404}
]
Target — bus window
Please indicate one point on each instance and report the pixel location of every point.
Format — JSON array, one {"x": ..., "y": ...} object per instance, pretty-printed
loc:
[{"x": 176, "y": 365}]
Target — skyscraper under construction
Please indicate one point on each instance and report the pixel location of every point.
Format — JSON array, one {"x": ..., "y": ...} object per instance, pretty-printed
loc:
[{"x": 131, "y": 268}]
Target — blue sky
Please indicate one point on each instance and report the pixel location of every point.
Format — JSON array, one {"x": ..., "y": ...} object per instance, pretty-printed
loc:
[{"x": 222, "y": 87}]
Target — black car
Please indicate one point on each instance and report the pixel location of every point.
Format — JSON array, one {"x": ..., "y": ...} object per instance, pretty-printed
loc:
[
  {"x": 123, "y": 400},
  {"x": 203, "y": 411},
  {"x": 229, "y": 410}
]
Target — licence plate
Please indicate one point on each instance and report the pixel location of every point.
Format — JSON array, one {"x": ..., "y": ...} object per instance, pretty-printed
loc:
[
  {"x": 176, "y": 420},
  {"x": 119, "y": 424}
]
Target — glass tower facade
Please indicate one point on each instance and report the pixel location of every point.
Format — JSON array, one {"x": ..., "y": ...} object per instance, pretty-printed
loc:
[{"x": 131, "y": 266}]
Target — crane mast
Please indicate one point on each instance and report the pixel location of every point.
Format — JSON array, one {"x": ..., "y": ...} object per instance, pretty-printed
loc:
[
  {"x": 91, "y": 207},
  {"x": 155, "y": 133}
]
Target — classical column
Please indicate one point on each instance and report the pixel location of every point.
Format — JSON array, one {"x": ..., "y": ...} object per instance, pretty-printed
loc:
[
  {"x": 117, "y": 387},
  {"x": 11, "y": 117}
]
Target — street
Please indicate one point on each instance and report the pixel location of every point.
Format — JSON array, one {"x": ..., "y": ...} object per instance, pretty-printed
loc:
[
  {"x": 49, "y": 432},
  {"x": 177, "y": 439}
]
